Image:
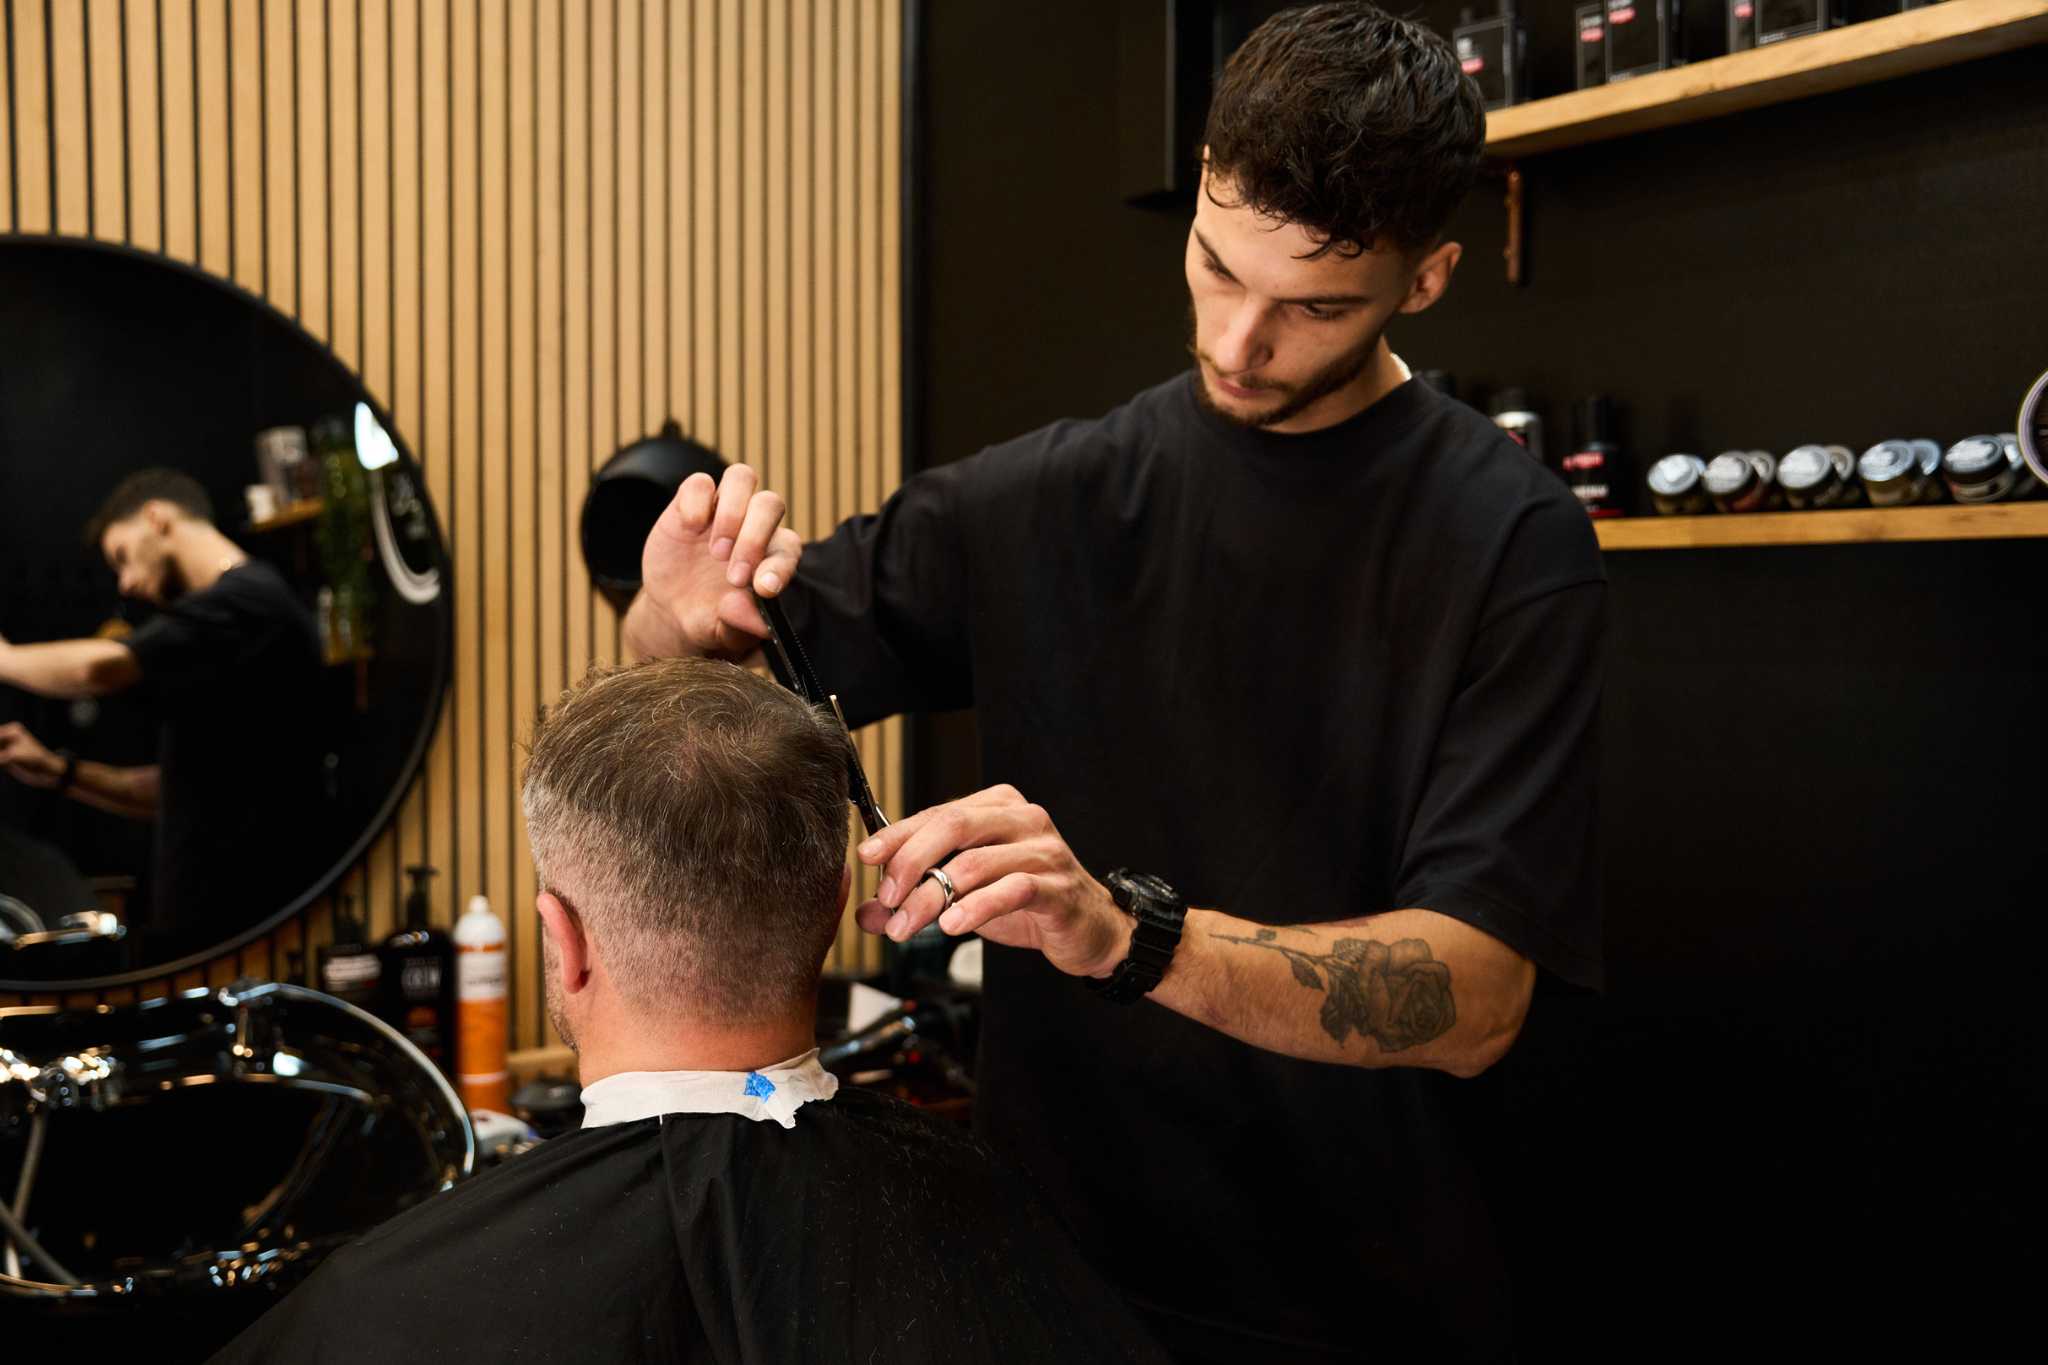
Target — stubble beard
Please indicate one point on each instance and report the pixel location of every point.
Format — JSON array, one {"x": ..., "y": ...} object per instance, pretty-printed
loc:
[{"x": 1298, "y": 397}]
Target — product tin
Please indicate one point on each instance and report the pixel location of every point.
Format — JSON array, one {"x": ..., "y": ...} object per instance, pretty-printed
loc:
[
  {"x": 1677, "y": 486},
  {"x": 1743, "y": 481}
]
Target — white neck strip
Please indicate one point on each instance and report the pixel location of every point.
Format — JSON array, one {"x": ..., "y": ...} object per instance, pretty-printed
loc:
[{"x": 771, "y": 1093}]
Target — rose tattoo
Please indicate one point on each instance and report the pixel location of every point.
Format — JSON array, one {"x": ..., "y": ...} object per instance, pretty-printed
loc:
[{"x": 1395, "y": 993}]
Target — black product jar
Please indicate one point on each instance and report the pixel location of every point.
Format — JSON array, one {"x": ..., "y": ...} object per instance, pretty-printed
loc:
[
  {"x": 1678, "y": 486},
  {"x": 1902, "y": 473},
  {"x": 1744, "y": 481},
  {"x": 1817, "y": 476}
]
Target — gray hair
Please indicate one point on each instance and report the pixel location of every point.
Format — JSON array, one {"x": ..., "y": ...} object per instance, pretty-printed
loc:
[{"x": 694, "y": 816}]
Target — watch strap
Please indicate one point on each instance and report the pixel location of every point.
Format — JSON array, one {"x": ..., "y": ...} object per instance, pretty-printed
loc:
[{"x": 1160, "y": 915}]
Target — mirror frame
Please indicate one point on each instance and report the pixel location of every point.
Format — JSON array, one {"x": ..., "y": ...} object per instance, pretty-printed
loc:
[{"x": 437, "y": 691}]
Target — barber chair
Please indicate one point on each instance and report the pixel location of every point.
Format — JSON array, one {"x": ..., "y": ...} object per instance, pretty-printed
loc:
[{"x": 186, "y": 1161}]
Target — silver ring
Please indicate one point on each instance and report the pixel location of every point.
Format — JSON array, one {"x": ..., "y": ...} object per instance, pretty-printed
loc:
[{"x": 938, "y": 874}]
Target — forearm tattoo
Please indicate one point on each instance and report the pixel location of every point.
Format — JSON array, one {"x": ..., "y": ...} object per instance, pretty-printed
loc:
[{"x": 1395, "y": 993}]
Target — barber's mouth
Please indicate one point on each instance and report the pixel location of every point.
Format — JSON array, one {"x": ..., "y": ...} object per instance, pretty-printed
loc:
[{"x": 1237, "y": 390}]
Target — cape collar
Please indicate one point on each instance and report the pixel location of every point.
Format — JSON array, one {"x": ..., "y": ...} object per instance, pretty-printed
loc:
[{"x": 773, "y": 1092}]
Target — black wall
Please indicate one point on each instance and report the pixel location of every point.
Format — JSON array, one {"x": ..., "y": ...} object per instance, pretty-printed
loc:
[{"x": 1811, "y": 1082}]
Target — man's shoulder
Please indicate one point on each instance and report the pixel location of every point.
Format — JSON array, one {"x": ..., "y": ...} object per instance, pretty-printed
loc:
[
  {"x": 1073, "y": 448},
  {"x": 1481, "y": 494}
]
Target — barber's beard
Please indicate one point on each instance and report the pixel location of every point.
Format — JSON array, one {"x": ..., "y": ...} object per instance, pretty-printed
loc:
[{"x": 1295, "y": 398}]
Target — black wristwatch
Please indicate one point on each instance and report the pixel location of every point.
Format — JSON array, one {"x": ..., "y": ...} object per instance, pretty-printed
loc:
[
  {"x": 1160, "y": 913},
  {"x": 70, "y": 770}
]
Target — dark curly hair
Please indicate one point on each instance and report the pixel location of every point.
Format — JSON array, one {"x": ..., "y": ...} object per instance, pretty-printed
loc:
[
  {"x": 1358, "y": 127},
  {"x": 144, "y": 486}
]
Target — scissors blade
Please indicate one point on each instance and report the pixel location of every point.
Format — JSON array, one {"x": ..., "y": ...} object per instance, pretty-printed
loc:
[{"x": 792, "y": 668}]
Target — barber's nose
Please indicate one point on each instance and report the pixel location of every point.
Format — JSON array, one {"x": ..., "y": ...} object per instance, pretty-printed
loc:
[{"x": 1242, "y": 346}]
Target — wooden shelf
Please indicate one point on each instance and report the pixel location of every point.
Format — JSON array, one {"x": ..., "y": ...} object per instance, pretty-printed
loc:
[
  {"x": 1988, "y": 521},
  {"x": 1879, "y": 49},
  {"x": 291, "y": 515}
]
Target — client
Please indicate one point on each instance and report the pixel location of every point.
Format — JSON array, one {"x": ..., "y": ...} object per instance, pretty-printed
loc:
[{"x": 725, "y": 1199}]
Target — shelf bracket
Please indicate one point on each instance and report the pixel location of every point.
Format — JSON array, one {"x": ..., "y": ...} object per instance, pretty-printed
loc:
[{"x": 1513, "y": 250}]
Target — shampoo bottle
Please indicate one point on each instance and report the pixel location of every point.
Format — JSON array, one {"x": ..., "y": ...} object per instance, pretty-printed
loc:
[{"x": 481, "y": 1026}]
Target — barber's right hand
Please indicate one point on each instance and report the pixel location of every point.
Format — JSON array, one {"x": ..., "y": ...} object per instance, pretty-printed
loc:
[{"x": 713, "y": 542}]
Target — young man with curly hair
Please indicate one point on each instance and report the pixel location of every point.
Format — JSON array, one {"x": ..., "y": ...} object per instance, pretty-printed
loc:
[{"x": 1288, "y": 668}]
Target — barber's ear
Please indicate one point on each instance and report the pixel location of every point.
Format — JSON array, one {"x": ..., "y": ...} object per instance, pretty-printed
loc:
[
  {"x": 1432, "y": 276},
  {"x": 567, "y": 937}
]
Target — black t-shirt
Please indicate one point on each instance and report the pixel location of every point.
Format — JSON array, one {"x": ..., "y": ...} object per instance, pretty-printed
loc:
[
  {"x": 233, "y": 672},
  {"x": 1302, "y": 678},
  {"x": 868, "y": 1231}
]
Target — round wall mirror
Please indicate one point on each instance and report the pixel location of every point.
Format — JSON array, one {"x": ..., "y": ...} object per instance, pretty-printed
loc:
[{"x": 200, "y": 491}]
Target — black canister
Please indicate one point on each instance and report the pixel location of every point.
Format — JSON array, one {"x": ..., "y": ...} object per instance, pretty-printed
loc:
[
  {"x": 1744, "y": 481},
  {"x": 1678, "y": 486},
  {"x": 1818, "y": 476},
  {"x": 1901, "y": 473}
]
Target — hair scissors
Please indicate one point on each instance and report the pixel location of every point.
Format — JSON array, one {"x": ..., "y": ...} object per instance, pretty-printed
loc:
[{"x": 792, "y": 668}]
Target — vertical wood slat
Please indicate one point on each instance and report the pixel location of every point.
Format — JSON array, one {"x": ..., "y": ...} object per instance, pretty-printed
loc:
[
  {"x": 628, "y": 162},
  {"x": 654, "y": 227},
  {"x": 438, "y": 397},
  {"x": 524, "y": 926},
  {"x": 178, "y": 131},
  {"x": 466, "y": 516},
  {"x": 403, "y": 138},
  {"x": 215, "y": 148},
  {"x": 497, "y": 467},
  {"x": 703, "y": 221},
  {"x": 523, "y": 261},
  {"x": 109, "y": 133},
  {"x": 243, "y": 194},
  {"x": 279, "y": 113},
  {"x": 563, "y": 222},
  {"x": 71, "y": 127},
  {"x": 729, "y": 246},
  {"x": 312, "y": 254},
  {"x": 31, "y": 119},
  {"x": 6, "y": 127},
  {"x": 338, "y": 199},
  {"x": 750, "y": 308},
  {"x": 604, "y": 276},
  {"x": 144, "y": 127}
]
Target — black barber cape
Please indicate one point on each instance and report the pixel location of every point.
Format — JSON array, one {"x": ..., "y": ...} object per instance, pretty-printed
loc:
[
  {"x": 1303, "y": 678},
  {"x": 868, "y": 1232}
]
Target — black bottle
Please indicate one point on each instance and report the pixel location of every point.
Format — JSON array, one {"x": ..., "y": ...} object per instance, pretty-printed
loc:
[
  {"x": 349, "y": 967},
  {"x": 1595, "y": 469},
  {"x": 419, "y": 979}
]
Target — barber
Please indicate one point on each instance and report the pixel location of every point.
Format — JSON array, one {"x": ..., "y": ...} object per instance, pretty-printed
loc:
[
  {"x": 1288, "y": 668},
  {"x": 230, "y": 664}
]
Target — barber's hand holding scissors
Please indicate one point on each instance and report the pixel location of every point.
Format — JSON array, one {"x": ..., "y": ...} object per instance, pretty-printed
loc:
[
  {"x": 1014, "y": 881},
  {"x": 711, "y": 544}
]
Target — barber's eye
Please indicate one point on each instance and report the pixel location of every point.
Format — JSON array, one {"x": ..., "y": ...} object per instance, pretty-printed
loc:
[
  {"x": 1317, "y": 313},
  {"x": 1216, "y": 269}
]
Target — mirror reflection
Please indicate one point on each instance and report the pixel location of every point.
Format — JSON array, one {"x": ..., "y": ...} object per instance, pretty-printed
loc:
[{"x": 223, "y": 615}]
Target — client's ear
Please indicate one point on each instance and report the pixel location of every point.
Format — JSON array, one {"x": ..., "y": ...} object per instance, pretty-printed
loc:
[
  {"x": 845, "y": 883},
  {"x": 567, "y": 938}
]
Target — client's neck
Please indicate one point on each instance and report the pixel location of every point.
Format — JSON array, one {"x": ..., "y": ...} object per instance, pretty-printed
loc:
[{"x": 639, "y": 1043}]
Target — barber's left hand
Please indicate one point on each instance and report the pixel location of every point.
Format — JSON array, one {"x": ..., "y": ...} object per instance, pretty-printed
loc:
[
  {"x": 23, "y": 758},
  {"x": 1015, "y": 882}
]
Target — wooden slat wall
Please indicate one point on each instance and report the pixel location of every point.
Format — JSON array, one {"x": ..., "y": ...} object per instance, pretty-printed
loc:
[{"x": 535, "y": 228}]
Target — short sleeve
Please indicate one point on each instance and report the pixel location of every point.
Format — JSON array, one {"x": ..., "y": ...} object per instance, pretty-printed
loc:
[
  {"x": 880, "y": 604},
  {"x": 203, "y": 638},
  {"x": 1504, "y": 836}
]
